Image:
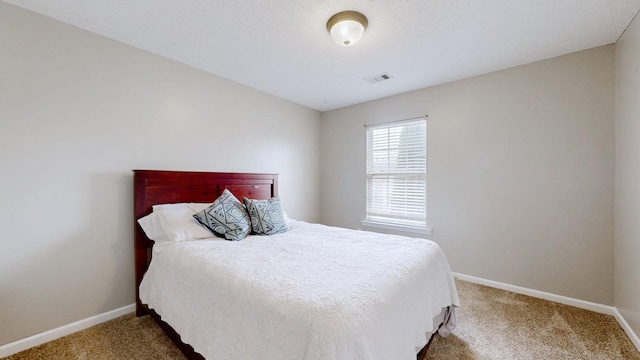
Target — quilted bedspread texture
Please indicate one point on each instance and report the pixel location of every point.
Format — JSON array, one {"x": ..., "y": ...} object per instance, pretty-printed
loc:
[{"x": 313, "y": 293}]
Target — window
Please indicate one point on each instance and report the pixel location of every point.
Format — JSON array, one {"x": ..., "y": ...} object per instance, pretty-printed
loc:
[{"x": 397, "y": 175}]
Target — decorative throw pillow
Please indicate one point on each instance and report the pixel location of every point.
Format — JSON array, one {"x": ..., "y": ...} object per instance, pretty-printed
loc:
[
  {"x": 226, "y": 217},
  {"x": 266, "y": 216}
]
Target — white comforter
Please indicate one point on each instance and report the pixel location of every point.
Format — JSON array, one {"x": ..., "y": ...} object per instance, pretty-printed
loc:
[{"x": 314, "y": 292}]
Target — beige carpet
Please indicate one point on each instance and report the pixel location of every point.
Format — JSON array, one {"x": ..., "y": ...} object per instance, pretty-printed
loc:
[
  {"x": 492, "y": 324},
  {"x": 497, "y": 324}
]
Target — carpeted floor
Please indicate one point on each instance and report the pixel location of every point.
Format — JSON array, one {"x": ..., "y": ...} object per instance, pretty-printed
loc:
[
  {"x": 497, "y": 324},
  {"x": 492, "y": 324}
]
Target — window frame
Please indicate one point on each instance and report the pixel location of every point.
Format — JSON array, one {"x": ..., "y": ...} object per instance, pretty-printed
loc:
[{"x": 407, "y": 176}]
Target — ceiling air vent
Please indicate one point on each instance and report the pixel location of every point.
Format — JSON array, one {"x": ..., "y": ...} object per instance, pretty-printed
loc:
[{"x": 378, "y": 78}]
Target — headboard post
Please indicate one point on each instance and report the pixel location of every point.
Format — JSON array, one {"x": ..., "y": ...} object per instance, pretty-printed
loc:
[{"x": 142, "y": 244}]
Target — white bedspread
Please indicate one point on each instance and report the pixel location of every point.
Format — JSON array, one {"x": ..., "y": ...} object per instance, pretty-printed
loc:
[{"x": 315, "y": 292}]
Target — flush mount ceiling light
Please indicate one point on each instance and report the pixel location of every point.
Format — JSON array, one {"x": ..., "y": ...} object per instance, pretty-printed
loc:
[{"x": 346, "y": 28}]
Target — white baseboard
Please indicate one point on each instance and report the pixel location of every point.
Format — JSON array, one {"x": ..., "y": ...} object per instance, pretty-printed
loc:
[
  {"x": 625, "y": 326},
  {"x": 49, "y": 335},
  {"x": 599, "y": 308}
]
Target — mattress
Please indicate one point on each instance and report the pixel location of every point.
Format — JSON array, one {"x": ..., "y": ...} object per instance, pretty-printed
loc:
[{"x": 314, "y": 292}]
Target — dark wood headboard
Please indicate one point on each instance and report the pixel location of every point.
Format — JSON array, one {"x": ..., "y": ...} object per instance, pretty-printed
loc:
[{"x": 153, "y": 187}]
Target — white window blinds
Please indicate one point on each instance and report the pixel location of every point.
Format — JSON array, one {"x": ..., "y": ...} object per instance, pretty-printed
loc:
[{"x": 397, "y": 173}]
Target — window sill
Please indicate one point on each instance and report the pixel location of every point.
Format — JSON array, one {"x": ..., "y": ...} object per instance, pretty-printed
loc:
[{"x": 387, "y": 226}]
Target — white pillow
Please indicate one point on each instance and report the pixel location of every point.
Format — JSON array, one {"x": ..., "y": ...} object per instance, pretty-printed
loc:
[
  {"x": 196, "y": 206},
  {"x": 175, "y": 223},
  {"x": 287, "y": 220}
]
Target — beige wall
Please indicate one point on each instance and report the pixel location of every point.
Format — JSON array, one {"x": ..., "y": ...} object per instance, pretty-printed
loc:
[
  {"x": 77, "y": 113},
  {"x": 520, "y": 171},
  {"x": 627, "y": 174}
]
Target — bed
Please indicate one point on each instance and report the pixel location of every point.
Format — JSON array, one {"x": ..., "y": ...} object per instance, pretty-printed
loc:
[{"x": 312, "y": 292}]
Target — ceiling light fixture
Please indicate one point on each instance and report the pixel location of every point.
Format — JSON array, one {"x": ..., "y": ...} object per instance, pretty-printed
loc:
[{"x": 346, "y": 28}]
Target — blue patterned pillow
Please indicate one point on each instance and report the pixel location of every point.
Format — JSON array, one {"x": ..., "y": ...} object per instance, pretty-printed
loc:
[
  {"x": 226, "y": 217},
  {"x": 266, "y": 216}
]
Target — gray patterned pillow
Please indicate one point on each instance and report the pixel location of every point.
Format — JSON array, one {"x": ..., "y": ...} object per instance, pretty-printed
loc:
[
  {"x": 226, "y": 217},
  {"x": 266, "y": 216}
]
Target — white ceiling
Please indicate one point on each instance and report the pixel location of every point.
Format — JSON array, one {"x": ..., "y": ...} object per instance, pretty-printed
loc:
[{"x": 282, "y": 47}]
